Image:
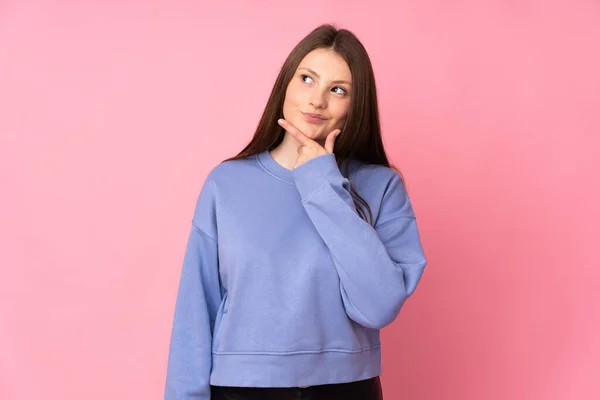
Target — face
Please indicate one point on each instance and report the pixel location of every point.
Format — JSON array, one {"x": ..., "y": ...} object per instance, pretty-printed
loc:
[{"x": 317, "y": 98}]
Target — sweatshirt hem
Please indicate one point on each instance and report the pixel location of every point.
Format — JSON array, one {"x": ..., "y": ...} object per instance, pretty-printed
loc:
[{"x": 295, "y": 369}]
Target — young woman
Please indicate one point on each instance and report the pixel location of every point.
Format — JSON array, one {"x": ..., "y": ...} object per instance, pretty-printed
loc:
[{"x": 302, "y": 247}]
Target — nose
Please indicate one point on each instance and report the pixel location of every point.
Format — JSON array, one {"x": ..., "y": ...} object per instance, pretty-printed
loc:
[{"x": 318, "y": 99}]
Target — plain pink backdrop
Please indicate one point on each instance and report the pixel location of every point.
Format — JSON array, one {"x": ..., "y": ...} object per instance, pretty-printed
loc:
[{"x": 113, "y": 112}]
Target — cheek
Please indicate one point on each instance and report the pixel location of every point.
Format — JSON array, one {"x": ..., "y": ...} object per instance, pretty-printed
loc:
[
  {"x": 289, "y": 104},
  {"x": 293, "y": 94},
  {"x": 341, "y": 113}
]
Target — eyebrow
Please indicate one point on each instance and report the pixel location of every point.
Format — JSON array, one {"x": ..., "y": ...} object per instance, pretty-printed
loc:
[{"x": 317, "y": 75}]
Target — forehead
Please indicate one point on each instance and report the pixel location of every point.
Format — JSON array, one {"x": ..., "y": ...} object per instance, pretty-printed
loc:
[{"x": 328, "y": 64}]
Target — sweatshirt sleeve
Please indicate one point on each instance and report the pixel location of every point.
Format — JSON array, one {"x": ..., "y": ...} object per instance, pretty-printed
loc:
[
  {"x": 379, "y": 267},
  {"x": 198, "y": 298}
]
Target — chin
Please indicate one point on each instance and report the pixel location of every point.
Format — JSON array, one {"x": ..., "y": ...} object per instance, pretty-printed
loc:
[
  {"x": 312, "y": 131},
  {"x": 317, "y": 136}
]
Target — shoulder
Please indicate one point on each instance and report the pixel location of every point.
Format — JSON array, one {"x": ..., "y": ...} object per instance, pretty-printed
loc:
[
  {"x": 223, "y": 173},
  {"x": 383, "y": 188},
  {"x": 226, "y": 170},
  {"x": 216, "y": 186},
  {"x": 374, "y": 176}
]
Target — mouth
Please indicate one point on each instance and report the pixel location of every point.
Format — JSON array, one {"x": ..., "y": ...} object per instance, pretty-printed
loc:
[{"x": 313, "y": 118}]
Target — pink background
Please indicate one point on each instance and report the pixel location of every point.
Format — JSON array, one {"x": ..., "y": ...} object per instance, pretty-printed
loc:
[{"x": 113, "y": 112}]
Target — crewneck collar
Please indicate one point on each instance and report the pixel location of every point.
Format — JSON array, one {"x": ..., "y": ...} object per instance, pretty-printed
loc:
[
  {"x": 266, "y": 160},
  {"x": 268, "y": 163}
]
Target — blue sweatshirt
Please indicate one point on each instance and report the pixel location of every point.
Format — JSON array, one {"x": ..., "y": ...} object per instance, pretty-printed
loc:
[{"x": 283, "y": 284}]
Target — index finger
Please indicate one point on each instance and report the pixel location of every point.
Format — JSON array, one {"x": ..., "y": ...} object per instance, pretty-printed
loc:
[{"x": 297, "y": 133}]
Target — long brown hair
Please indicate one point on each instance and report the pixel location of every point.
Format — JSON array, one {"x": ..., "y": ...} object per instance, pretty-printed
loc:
[{"x": 361, "y": 138}]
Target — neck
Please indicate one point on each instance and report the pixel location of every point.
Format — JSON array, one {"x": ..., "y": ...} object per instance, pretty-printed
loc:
[{"x": 286, "y": 152}]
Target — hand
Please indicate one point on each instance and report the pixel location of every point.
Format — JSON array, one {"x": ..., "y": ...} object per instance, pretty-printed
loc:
[{"x": 309, "y": 148}]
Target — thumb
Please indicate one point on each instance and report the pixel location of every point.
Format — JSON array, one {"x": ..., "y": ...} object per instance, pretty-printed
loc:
[{"x": 330, "y": 141}]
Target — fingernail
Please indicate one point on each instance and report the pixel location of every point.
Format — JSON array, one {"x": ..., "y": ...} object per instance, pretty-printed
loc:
[{"x": 280, "y": 121}]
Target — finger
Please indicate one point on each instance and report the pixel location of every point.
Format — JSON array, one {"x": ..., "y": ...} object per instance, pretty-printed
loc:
[
  {"x": 330, "y": 141},
  {"x": 296, "y": 133}
]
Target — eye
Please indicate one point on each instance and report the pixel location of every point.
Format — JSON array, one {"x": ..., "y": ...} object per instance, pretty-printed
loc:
[
  {"x": 305, "y": 77},
  {"x": 342, "y": 90}
]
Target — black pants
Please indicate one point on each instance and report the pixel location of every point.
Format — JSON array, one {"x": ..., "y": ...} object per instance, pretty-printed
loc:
[{"x": 369, "y": 389}]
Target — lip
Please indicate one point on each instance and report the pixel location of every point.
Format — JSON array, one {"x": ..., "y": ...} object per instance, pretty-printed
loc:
[{"x": 313, "y": 118}]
